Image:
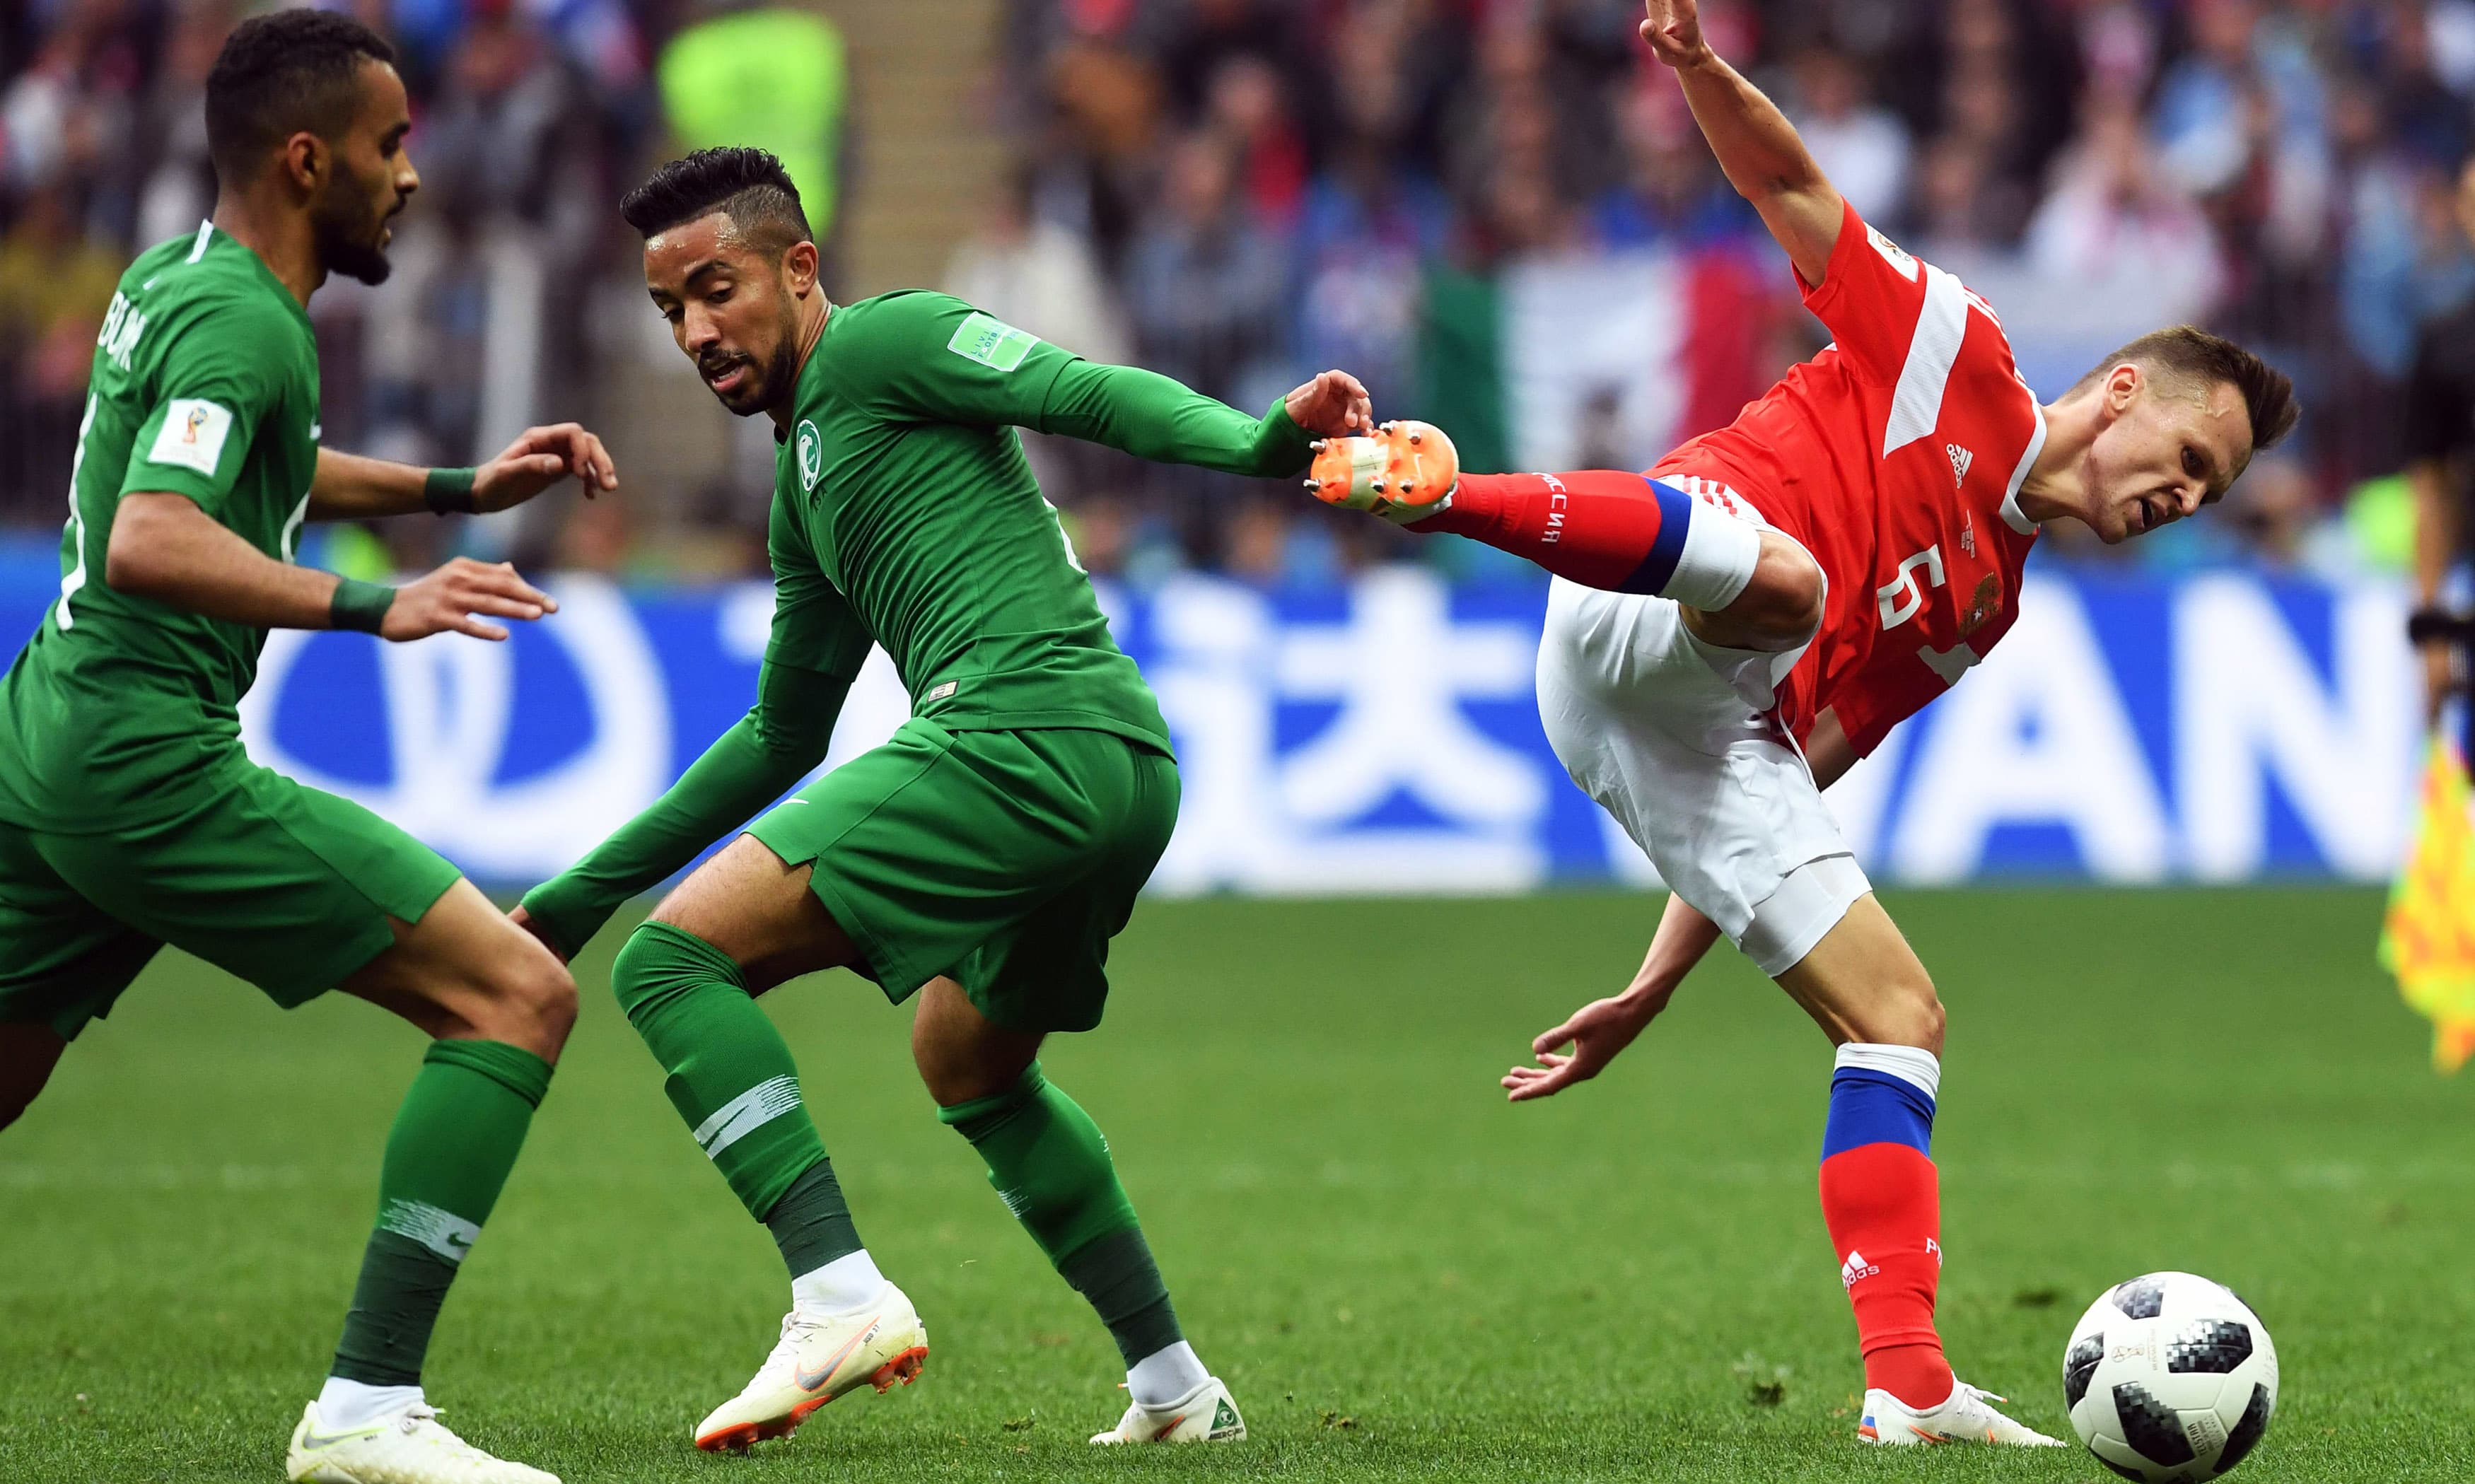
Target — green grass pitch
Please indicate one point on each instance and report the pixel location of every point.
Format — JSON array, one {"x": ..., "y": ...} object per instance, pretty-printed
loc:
[{"x": 1401, "y": 1277}]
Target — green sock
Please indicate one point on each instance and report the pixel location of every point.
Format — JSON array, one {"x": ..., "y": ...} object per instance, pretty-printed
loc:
[
  {"x": 733, "y": 1079},
  {"x": 1047, "y": 1160},
  {"x": 455, "y": 1140}
]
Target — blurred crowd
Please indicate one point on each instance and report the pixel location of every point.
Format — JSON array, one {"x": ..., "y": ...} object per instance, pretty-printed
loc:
[{"x": 1497, "y": 212}]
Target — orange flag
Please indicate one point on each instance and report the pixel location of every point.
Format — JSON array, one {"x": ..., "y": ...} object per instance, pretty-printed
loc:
[{"x": 2428, "y": 938}]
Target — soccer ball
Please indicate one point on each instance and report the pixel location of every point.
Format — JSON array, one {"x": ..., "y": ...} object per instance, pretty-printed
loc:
[{"x": 2169, "y": 1378}]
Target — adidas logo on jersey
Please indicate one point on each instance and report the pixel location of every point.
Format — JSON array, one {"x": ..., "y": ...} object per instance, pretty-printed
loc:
[
  {"x": 1960, "y": 459},
  {"x": 1856, "y": 1270}
]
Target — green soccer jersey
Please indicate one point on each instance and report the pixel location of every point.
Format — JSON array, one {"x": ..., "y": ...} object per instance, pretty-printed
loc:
[
  {"x": 905, "y": 511},
  {"x": 205, "y": 386}
]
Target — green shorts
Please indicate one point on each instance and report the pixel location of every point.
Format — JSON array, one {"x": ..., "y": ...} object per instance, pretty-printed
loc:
[
  {"x": 1004, "y": 860},
  {"x": 279, "y": 883}
]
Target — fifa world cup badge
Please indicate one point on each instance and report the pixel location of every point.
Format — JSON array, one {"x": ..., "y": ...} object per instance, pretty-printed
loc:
[{"x": 812, "y": 455}]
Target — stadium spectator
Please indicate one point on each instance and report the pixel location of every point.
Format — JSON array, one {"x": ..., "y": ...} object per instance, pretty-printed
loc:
[{"x": 1377, "y": 172}]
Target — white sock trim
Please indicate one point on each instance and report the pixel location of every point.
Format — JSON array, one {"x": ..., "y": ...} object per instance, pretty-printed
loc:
[
  {"x": 1914, "y": 1065},
  {"x": 1718, "y": 560},
  {"x": 1166, "y": 1376},
  {"x": 347, "y": 1407},
  {"x": 840, "y": 1286}
]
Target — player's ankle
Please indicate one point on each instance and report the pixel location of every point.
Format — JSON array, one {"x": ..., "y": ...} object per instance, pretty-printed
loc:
[
  {"x": 345, "y": 1404},
  {"x": 840, "y": 1286},
  {"x": 1918, "y": 1376},
  {"x": 1166, "y": 1376}
]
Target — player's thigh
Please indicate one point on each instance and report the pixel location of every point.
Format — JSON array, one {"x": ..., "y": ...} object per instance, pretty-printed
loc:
[
  {"x": 28, "y": 1053},
  {"x": 1047, "y": 971},
  {"x": 1863, "y": 982},
  {"x": 290, "y": 889},
  {"x": 1733, "y": 824},
  {"x": 925, "y": 848},
  {"x": 64, "y": 961},
  {"x": 757, "y": 908},
  {"x": 465, "y": 969}
]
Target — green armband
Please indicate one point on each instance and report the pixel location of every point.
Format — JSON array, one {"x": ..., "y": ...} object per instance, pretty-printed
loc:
[
  {"x": 449, "y": 489},
  {"x": 360, "y": 605}
]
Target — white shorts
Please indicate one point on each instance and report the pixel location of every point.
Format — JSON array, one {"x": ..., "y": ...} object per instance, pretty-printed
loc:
[{"x": 1668, "y": 733}]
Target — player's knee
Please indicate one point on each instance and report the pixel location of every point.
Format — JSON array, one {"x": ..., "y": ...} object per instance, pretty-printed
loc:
[
  {"x": 1905, "y": 1012},
  {"x": 530, "y": 1004},
  {"x": 1781, "y": 607}
]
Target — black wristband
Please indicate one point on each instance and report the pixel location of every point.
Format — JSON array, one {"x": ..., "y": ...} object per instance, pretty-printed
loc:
[
  {"x": 2427, "y": 624},
  {"x": 449, "y": 491},
  {"x": 360, "y": 605}
]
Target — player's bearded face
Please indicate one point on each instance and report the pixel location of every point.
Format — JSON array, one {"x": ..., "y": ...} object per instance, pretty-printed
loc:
[
  {"x": 370, "y": 178},
  {"x": 352, "y": 223},
  {"x": 756, "y": 353}
]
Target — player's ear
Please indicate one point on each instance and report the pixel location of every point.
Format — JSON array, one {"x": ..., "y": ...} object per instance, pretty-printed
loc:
[
  {"x": 2122, "y": 387},
  {"x": 800, "y": 267},
  {"x": 307, "y": 161}
]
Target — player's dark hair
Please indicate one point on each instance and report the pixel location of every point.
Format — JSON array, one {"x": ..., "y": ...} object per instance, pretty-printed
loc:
[
  {"x": 2188, "y": 353},
  {"x": 279, "y": 74},
  {"x": 748, "y": 186}
]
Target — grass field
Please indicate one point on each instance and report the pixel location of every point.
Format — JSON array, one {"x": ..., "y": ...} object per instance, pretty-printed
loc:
[{"x": 1400, "y": 1276}]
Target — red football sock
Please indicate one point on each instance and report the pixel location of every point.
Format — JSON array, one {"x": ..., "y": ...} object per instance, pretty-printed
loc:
[
  {"x": 1883, "y": 1205},
  {"x": 1602, "y": 528}
]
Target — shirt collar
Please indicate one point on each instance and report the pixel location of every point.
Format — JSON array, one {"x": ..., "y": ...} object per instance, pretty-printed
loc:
[{"x": 2012, "y": 515}]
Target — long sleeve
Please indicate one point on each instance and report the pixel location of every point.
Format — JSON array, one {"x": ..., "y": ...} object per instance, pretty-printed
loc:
[
  {"x": 931, "y": 357},
  {"x": 814, "y": 651},
  {"x": 773, "y": 747},
  {"x": 1146, "y": 414}
]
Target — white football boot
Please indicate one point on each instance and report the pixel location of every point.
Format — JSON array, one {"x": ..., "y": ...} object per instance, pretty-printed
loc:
[
  {"x": 820, "y": 1357},
  {"x": 1963, "y": 1418},
  {"x": 409, "y": 1447},
  {"x": 1207, "y": 1414}
]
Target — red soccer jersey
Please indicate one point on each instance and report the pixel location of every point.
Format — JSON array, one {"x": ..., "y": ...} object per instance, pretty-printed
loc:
[{"x": 1896, "y": 455}]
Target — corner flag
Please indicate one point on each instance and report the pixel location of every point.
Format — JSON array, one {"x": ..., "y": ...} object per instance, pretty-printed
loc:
[{"x": 2428, "y": 938}]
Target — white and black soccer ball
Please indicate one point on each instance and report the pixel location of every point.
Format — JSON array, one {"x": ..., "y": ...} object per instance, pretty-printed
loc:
[{"x": 2169, "y": 1378}]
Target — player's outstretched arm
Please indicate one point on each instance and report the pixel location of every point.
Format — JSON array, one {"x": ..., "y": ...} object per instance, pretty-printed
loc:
[
  {"x": 1757, "y": 146},
  {"x": 757, "y": 761},
  {"x": 1599, "y": 1031},
  {"x": 352, "y": 487},
  {"x": 165, "y": 548},
  {"x": 1150, "y": 416}
]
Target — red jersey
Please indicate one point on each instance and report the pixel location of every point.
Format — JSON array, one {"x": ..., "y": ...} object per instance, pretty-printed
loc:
[{"x": 1895, "y": 456}]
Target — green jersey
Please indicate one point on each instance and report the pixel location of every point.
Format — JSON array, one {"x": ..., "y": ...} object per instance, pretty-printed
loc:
[
  {"x": 205, "y": 386},
  {"x": 905, "y": 511}
]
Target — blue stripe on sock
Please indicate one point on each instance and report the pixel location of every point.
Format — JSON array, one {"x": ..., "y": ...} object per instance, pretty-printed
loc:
[
  {"x": 1675, "y": 517},
  {"x": 1875, "y": 1108}
]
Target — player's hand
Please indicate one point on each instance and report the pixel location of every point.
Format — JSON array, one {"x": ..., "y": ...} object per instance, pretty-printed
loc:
[
  {"x": 539, "y": 458},
  {"x": 525, "y": 920},
  {"x": 1674, "y": 31},
  {"x": 445, "y": 601},
  {"x": 1332, "y": 405},
  {"x": 1597, "y": 1032}
]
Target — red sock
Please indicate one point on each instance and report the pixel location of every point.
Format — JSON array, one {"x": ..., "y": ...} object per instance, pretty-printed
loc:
[
  {"x": 1883, "y": 1205},
  {"x": 1620, "y": 533}
]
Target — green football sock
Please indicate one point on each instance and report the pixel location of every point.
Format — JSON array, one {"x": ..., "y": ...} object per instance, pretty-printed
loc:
[
  {"x": 455, "y": 1138},
  {"x": 1048, "y": 1162},
  {"x": 733, "y": 1079}
]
